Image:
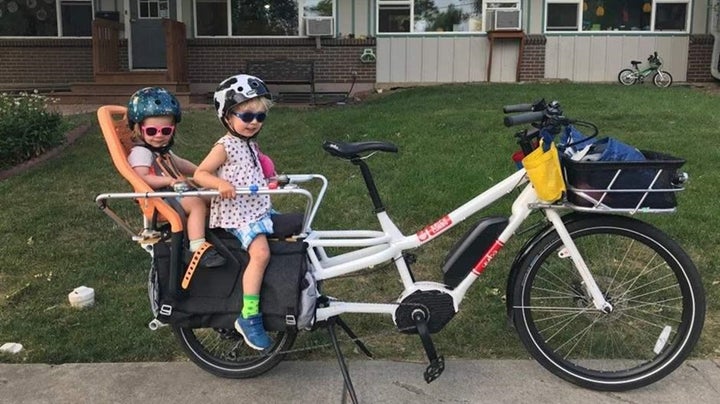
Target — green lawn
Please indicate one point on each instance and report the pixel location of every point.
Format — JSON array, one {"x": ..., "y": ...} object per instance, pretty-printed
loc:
[{"x": 452, "y": 146}]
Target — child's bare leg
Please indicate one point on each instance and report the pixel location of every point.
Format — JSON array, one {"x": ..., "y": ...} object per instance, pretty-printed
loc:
[
  {"x": 250, "y": 324},
  {"x": 259, "y": 252},
  {"x": 196, "y": 211}
]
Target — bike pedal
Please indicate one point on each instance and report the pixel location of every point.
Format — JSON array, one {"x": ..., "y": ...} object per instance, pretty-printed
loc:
[{"x": 434, "y": 369}]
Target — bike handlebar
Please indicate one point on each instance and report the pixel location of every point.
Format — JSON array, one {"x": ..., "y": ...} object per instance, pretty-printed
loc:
[
  {"x": 538, "y": 105},
  {"x": 518, "y": 108},
  {"x": 524, "y": 118}
]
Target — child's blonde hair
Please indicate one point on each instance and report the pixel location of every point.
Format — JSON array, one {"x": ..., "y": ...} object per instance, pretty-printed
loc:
[{"x": 254, "y": 103}]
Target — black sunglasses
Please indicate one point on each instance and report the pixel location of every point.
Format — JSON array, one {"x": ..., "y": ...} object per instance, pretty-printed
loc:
[{"x": 248, "y": 117}]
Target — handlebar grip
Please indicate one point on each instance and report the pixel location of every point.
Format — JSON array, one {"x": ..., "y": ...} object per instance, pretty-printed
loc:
[
  {"x": 518, "y": 108},
  {"x": 528, "y": 117}
]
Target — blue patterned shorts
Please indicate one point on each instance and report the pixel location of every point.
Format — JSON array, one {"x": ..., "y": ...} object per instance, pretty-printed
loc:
[{"x": 247, "y": 234}]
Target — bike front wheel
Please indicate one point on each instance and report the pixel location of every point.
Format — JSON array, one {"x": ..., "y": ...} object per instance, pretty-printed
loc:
[
  {"x": 662, "y": 79},
  {"x": 627, "y": 77},
  {"x": 653, "y": 286},
  {"x": 223, "y": 352}
]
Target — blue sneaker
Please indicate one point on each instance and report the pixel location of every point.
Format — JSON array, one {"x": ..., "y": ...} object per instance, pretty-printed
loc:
[{"x": 253, "y": 332}]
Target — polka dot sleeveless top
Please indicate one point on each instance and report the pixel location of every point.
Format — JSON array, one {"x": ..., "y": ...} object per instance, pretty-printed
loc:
[{"x": 239, "y": 170}]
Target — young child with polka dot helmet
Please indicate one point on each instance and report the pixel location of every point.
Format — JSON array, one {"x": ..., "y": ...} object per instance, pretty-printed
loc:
[{"x": 242, "y": 103}]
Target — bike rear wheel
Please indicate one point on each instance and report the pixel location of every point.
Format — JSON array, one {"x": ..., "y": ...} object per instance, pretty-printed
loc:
[
  {"x": 627, "y": 77},
  {"x": 223, "y": 352},
  {"x": 662, "y": 79},
  {"x": 654, "y": 288}
]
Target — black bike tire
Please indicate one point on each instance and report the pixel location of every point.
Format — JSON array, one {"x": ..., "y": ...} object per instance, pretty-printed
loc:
[
  {"x": 664, "y": 362},
  {"x": 630, "y": 71},
  {"x": 655, "y": 79},
  {"x": 252, "y": 365}
]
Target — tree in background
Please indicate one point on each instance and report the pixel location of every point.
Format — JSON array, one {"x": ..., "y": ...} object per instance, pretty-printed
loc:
[
  {"x": 260, "y": 17},
  {"x": 445, "y": 21},
  {"x": 323, "y": 8}
]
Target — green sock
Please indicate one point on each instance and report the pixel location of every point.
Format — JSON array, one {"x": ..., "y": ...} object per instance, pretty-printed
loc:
[{"x": 251, "y": 305}]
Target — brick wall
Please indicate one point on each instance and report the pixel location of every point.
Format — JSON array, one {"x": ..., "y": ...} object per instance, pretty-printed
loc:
[
  {"x": 532, "y": 65},
  {"x": 212, "y": 60},
  {"x": 64, "y": 61},
  {"x": 45, "y": 61},
  {"x": 700, "y": 58}
]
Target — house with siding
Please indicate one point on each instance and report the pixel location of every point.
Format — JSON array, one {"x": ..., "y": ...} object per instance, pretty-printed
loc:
[{"x": 99, "y": 50}]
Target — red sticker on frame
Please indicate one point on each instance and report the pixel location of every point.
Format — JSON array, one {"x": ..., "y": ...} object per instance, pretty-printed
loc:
[{"x": 434, "y": 229}]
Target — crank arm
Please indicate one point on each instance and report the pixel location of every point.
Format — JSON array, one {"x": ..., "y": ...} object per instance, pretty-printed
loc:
[{"x": 437, "y": 363}]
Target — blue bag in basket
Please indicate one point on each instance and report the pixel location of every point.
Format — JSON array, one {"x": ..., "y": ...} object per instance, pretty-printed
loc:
[{"x": 579, "y": 147}]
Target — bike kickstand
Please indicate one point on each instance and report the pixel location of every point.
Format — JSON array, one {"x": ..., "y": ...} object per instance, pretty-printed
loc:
[
  {"x": 437, "y": 363},
  {"x": 341, "y": 359},
  {"x": 353, "y": 337}
]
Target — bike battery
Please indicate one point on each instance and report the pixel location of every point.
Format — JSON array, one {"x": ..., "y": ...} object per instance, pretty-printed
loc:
[{"x": 468, "y": 250}]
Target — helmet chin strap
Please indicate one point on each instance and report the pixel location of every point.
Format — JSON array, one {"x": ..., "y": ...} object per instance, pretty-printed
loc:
[
  {"x": 246, "y": 139},
  {"x": 162, "y": 149}
]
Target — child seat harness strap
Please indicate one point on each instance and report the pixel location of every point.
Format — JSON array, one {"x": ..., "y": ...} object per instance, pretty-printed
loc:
[
  {"x": 192, "y": 265},
  {"x": 164, "y": 164}
]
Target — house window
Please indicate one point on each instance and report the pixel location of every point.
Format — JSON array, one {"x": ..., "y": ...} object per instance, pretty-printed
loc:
[
  {"x": 401, "y": 16},
  {"x": 617, "y": 15},
  {"x": 670, "y": 16},
  {"x": 76, "y": 17},
  {"x": 264, "y": 17},
  {"x": 562, "y": 16},
  {"x": 256, "y": 17},
  {"x": 150, "y": 9},
  {"x": 46, "y": 18},
  {"x": 211, "y": 18},
  {"x": 394, "y": 16}
]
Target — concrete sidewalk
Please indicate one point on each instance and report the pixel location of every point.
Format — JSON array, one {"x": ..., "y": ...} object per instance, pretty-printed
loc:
[{"x": 299, "y": 382}]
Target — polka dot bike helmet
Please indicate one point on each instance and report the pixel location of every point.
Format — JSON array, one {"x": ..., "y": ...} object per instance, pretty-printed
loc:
[
  {"x": 236, "y": 90},
  {"x": 152, "y": 101}
]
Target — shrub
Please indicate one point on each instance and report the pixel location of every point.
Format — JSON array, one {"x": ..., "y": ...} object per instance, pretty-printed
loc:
[{"x": 27, "y": 128}]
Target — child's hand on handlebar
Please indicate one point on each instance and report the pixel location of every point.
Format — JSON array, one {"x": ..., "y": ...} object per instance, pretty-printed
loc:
[{"x": 226, "y": 190}]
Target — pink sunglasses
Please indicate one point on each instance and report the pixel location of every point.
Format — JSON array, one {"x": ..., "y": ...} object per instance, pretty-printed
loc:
[{"x": 154, "y": 130}]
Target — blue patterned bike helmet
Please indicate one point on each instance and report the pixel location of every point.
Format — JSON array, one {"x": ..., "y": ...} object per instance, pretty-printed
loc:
[{"x": 152, "y": 101}]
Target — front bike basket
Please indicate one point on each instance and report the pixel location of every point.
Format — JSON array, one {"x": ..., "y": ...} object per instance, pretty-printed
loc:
[{"x": 647, "y": 186}]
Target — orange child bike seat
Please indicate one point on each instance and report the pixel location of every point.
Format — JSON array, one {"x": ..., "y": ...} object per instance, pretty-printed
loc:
[{"x": 118, "y": 138}]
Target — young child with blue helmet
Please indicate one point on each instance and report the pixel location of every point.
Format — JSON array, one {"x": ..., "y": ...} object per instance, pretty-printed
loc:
[{"x": 153, "y": 113}]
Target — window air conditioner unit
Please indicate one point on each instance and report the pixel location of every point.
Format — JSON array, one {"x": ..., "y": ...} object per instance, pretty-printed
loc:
[
  {"x": 506, "y": 20},
  {"x": 320, "y": 26}
]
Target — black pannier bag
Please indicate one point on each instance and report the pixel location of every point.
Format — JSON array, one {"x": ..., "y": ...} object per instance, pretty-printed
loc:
[{"x": 214, "y": 296}]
